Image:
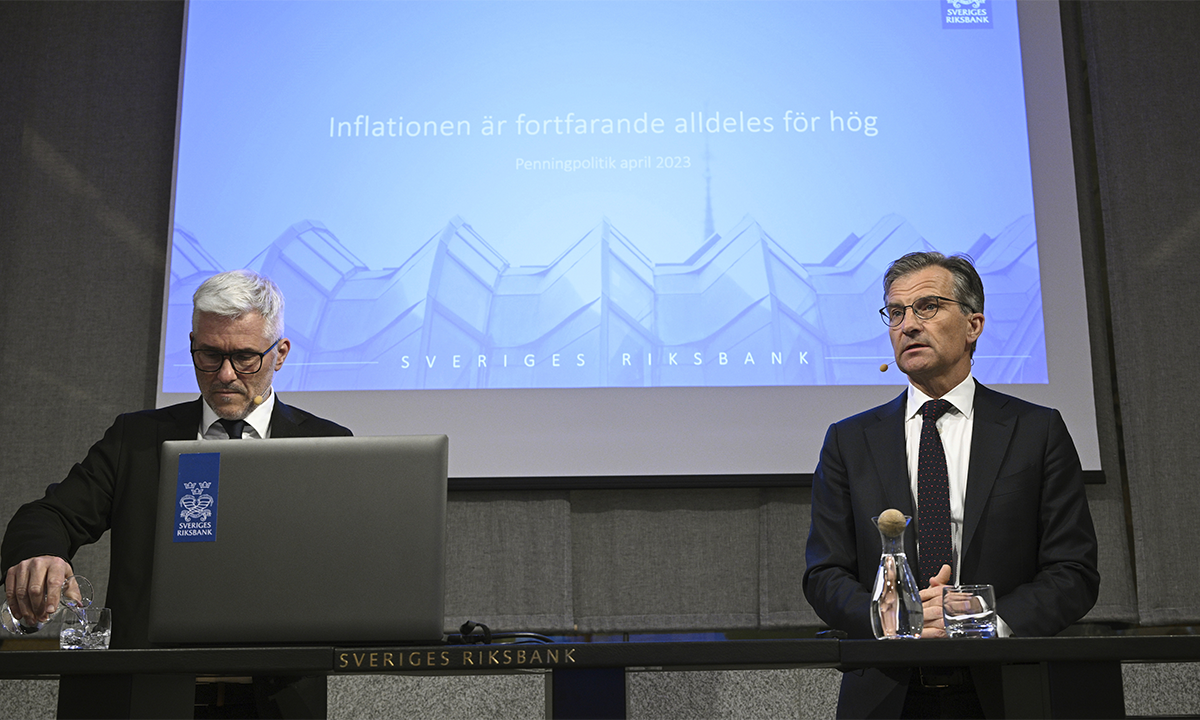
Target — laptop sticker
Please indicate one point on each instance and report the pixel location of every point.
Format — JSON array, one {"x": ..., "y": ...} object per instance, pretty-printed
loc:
[{"x": 196, "y": 497}]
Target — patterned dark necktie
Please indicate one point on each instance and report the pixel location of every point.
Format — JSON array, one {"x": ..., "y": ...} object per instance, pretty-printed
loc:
[
  {"x": 933, "y": 495},
  {"x": 233, "y": 427}
]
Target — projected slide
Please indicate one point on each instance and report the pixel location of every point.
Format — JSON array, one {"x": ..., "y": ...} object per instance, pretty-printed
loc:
[{"x": 602, "y": 194}]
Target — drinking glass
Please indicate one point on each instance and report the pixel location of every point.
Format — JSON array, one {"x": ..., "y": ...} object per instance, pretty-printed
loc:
[
  {"x": 969, "y": 611},
  {"x": 86, "y": 629}
]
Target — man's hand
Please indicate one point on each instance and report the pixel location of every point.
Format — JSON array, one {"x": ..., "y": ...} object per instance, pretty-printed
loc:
[
  {"x": 931, "y": 601},
  {"x": 32, "y": 587}
]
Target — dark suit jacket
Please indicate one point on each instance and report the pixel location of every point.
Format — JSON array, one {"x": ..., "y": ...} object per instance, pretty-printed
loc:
[
  {"x": 116, "y": 486},
  {"x": 1027, "y": 529}
]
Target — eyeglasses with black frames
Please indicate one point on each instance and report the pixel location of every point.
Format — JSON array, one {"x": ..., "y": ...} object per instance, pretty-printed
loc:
[
  {"x": 242, "y": 361},
  {"x": 923, "y": 309}
]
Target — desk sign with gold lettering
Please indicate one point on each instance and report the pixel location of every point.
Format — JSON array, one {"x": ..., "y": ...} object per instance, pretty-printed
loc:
[
  {"x": 457, "y": 657},
  {"x": 559, "y": 656}
]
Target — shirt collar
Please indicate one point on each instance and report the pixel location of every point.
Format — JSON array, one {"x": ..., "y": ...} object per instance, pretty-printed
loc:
[
  {"x": 259, "y": 418},
  {"x": 962, "y": 397}
]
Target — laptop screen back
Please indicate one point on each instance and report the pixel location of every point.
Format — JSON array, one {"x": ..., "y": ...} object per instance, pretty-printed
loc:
[{"x": 300, "y": 540}]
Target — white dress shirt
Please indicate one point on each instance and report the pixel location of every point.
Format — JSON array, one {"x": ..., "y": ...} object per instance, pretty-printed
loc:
[
  {"x": 258, "y": 422},
  {"x": 955, "y": 428}
]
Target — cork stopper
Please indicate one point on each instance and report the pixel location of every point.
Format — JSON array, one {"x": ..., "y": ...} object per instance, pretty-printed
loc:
[{"x": 892, "y": 523}]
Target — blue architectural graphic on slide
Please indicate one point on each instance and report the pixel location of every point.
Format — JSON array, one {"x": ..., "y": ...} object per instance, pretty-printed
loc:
[{"x": 740, "y": 311}]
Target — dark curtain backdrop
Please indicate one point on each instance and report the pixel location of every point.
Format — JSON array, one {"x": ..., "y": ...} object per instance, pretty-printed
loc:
[
  {"x": 87, "y": 122},
  {"x": 1143, "y": 72}
]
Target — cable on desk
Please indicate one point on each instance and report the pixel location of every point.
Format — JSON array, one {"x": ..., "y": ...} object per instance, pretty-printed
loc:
[{"x": 473, "y": 633}]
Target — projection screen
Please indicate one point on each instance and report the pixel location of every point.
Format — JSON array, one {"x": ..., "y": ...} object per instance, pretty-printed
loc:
[{"x": 625, "y": 238}]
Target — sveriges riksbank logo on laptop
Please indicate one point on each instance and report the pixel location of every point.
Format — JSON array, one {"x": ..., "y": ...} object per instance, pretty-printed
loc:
[
  {"x": 966, "y": 15},
  {"x": 197, "y": 503},
  {"x": 197, "y": 485}
]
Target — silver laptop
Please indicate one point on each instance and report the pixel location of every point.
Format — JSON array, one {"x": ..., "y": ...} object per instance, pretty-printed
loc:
[{"x": 300, "y": 540}]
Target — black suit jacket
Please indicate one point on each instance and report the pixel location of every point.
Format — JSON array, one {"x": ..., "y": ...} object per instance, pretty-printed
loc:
[
  {"x": 116, "y": 487},
  {"x": 1027, "y": 529}
]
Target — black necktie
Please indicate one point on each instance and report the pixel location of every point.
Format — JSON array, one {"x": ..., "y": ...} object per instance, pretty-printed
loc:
[
  {"x": 233, "y": 427},
  {"x": 933, "y": 495}
]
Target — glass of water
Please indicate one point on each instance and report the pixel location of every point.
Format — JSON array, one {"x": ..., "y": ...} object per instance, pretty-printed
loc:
[
  {"x": 969, "y": 611},
  {"x": 86, "y": 629}
]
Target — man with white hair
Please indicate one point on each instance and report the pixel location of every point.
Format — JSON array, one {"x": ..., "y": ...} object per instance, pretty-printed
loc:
[{"x": 237, "y": 346}]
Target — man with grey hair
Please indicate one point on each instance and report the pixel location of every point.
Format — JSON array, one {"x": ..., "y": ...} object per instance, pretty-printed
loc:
[
  {"x": 233, "y": 314},
  {"x": 237, "y": 346},
  {"x": 994, "y": 483}
]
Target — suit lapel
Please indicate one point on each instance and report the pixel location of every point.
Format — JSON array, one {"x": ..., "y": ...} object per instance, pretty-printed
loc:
[
  {"x": 990, "y": 436},
  {"x": 885, "y": 442},
  {"x": 285, "y": 422},
  {"x": 183, "y": 422}
]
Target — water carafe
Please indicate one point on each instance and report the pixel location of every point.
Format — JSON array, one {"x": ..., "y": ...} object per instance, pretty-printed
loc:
[
  {"x": 75, "y": 594},
  {"x": 896, "y": 610}
]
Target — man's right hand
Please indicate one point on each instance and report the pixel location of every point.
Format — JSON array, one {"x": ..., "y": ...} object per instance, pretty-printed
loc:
[
  {"x": 32, "y": 587},
  {"x": 931, "y": 602}
]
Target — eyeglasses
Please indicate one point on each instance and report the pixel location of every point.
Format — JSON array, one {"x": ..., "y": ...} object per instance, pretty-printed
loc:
[
  {"x": 923, "y": 309},
  {"x": 242, "y": 362}
]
